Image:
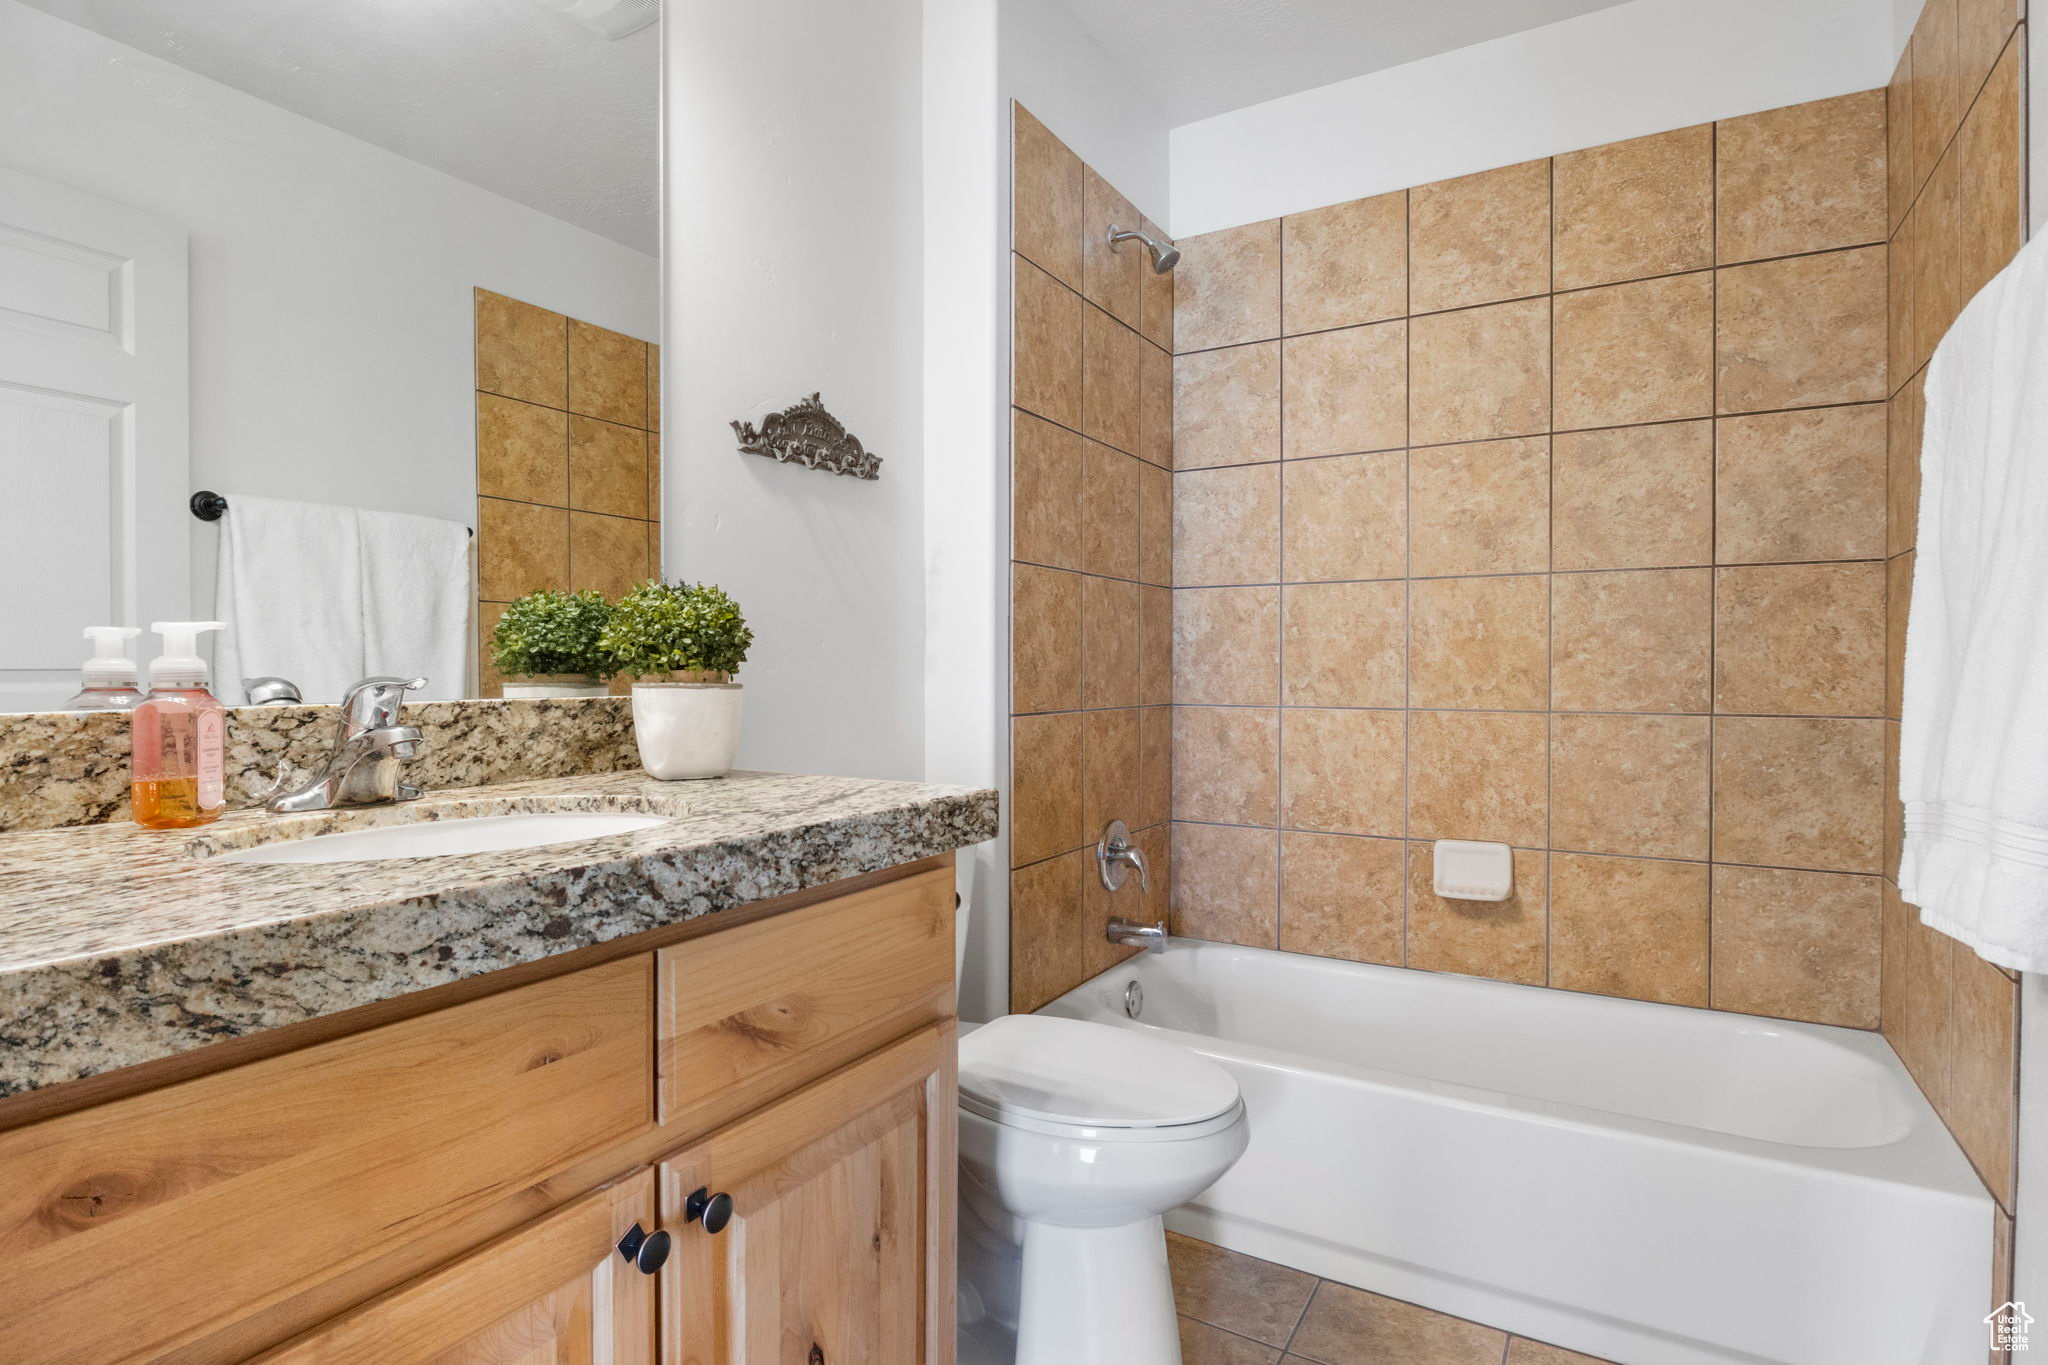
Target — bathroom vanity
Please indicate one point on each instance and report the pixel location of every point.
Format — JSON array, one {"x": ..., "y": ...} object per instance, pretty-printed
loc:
[{"x": 682, "y": 1093}]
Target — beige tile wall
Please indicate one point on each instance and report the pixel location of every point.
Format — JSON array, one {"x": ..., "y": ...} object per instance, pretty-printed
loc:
[
  {"x": 1957, "y": 215},
  {"x": 568, "y": 459},
  {"x": 1547, "y": 505},
  {"x": 1092, "y": 565}
]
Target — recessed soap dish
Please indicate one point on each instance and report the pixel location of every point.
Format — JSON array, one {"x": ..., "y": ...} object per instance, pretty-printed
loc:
[{"x": 1470, "y": 871}]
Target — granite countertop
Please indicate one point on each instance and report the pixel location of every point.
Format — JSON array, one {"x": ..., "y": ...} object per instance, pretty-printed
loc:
[{"x": 120, "y": 945}]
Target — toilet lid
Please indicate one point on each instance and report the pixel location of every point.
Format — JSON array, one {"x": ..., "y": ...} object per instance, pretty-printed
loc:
[{"x": 1070, "y": 1071}]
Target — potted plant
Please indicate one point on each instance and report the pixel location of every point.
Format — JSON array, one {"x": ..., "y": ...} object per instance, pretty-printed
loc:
[
  {"x": 547, "y": 645},
  {"x": 681, "y": 643}
]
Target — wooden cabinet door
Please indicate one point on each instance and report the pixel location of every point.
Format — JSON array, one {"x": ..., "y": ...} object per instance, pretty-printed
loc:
[
  {"x": 265, "y": 1182},
  {"x": 555, "y": 1292},
  {"x": 839, "y": 1250}
]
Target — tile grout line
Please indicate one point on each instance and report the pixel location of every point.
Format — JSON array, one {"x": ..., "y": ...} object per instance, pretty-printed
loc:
[
  {"x": 1287, "y": 1349},
  {"x": 1473, "y": 711},
  {"x": 1533, "y": 297},
  {"x": 1743, "y": 415},
  {"x": 1234, "y": 1335},
  {"x": 1407, "y": 561},
  {"x": 1714, "y": 532},
  {"x": 1969, "y": 106},
  {"x": 2019, "y": 1053},
  {"x": 1280, "y": 551},
  {"x": 1173, "y": 601},
  {"x": 1804, "y": 870},
  {"x": 1550, "y": 613},
  {"x": 1081, "y": 515},
  {"x": 1529, "y": 573}
]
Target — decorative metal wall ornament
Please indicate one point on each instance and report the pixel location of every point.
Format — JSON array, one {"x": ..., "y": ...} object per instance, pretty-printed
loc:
[{"x": 808, "y": 435}]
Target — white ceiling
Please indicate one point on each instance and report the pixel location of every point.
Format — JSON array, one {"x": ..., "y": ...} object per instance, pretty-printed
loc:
[
  {"x": 1203, "y": 57},
  {"x": 505, "y": 94}
]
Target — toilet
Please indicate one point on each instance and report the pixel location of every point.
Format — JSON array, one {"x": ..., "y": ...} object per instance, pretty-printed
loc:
[{"x": 1075, "y": 1138}]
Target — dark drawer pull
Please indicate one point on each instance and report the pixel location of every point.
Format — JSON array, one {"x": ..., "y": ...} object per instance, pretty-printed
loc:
[
  {"x": 714, "y": 1210},
  {"x": 644, "y": 1251}
]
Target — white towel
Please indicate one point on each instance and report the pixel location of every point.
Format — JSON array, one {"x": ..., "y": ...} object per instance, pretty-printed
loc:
[
  {"x": 416, "y": 595},
  {"x": 326, "y": 595},
  {"x": 1973, "y": 751},
  {"x": 289, "y": 586}
]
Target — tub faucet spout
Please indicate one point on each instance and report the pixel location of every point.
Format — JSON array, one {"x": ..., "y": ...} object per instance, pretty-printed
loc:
[{"x": 1128, "y": 933}]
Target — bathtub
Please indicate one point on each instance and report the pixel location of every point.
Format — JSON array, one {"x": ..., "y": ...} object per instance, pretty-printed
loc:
[{"x": 1646, "y": 1183}]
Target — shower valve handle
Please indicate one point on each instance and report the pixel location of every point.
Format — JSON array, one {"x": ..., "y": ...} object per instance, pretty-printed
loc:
[{"x": 1115, "y": 856}]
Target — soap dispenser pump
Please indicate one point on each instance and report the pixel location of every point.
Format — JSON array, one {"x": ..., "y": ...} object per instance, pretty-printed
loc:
[
  {"x": 107, "y": 681},
  {"x": 179, "y": 736}
]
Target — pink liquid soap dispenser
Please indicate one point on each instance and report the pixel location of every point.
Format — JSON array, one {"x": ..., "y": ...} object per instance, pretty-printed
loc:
[{"x": 179, "y": 736}]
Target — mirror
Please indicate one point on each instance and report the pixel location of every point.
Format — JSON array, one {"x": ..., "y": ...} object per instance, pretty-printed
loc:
[{"x": 380, "y": 277}]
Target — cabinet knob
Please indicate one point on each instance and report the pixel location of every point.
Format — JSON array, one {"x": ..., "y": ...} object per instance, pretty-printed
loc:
[
  {"x": 714, "y": 1210},
  {"x": 644, "y": 1251}
]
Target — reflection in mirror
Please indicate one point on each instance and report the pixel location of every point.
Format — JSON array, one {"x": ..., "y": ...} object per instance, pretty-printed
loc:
[{"x": 380, "y": 276}]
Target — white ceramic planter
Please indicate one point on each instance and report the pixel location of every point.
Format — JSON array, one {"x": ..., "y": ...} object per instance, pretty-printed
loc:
[
  {"x": 686, "y": 730},
  {"x": 537, "y": 686}
]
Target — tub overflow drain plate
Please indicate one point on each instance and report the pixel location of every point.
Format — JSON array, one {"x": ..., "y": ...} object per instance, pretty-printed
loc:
[{"x": 1134, "y": 999}]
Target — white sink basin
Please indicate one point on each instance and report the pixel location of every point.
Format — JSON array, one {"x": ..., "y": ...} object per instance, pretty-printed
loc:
[{"x": 446, "y": 838}]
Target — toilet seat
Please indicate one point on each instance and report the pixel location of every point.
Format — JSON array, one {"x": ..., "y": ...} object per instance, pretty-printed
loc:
[{"x": 1071, "y": 1077}]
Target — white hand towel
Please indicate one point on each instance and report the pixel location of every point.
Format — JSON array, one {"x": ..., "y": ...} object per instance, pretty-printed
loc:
[
  {"x": 416, "y": 595},
  {"x": 1973, "y": 753},
  {"x": 289, "y": 586}
]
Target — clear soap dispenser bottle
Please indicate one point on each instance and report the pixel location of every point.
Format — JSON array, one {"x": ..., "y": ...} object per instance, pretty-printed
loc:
[
  {"x": 179, "y": 736},
  {"x": 107, "y": 679}
]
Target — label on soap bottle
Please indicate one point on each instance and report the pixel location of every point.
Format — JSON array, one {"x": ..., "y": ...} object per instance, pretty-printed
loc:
[{"x": 212, "y": 760}]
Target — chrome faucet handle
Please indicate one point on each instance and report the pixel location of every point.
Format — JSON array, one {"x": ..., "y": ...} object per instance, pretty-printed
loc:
[
  {"x": 369, "y": 748},
  {"x": 362, "y": 770},
  {"x": 374, "y": 703},
  {"x": 1115, "y": 855}
]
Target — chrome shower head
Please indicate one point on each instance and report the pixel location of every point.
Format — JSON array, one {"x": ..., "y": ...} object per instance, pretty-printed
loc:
[{"x": 1164, "y": 258}]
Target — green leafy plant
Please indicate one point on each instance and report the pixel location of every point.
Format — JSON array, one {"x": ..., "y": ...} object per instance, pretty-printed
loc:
[
  {"x": 660, "y": 628},
  {"x": 546, "y": 633}
]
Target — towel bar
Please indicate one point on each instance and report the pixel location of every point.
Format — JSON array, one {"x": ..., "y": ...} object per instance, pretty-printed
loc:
[{"x": 208, "y": 505}]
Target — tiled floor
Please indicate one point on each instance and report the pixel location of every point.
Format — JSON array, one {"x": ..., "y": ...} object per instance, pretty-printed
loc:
[{"x": 1236, "y": 1310}]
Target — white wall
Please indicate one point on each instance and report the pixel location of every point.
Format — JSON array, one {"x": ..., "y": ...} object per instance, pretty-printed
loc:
[
  {"x": 332, "y": 321},
  {"x": 1905, "y": 14},
  {"x": 1051, "y": 67},
  {"x": 966, "y": 523},
  {"x": 1637, "y": 68},
  {"x": 794, "y": 263}
]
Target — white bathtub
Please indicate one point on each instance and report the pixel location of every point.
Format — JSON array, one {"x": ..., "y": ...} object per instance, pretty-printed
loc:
[{"x": 1647, "y": 1183}]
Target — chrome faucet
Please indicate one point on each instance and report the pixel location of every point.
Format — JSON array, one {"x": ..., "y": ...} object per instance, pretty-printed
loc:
[
  {"x": 1129, "y": 933},
  {"x": 369, "y": 748},
  {"x": 1115, "y": 857}
]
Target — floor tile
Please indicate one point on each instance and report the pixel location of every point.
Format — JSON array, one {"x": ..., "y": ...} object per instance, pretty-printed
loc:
[{"x": 1238, "y": 1293}]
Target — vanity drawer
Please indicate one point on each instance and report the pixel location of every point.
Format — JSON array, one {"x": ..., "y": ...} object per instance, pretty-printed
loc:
[
  {"x": 134, "y": 1228},
  {"x": 752, "y": 1012}
]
